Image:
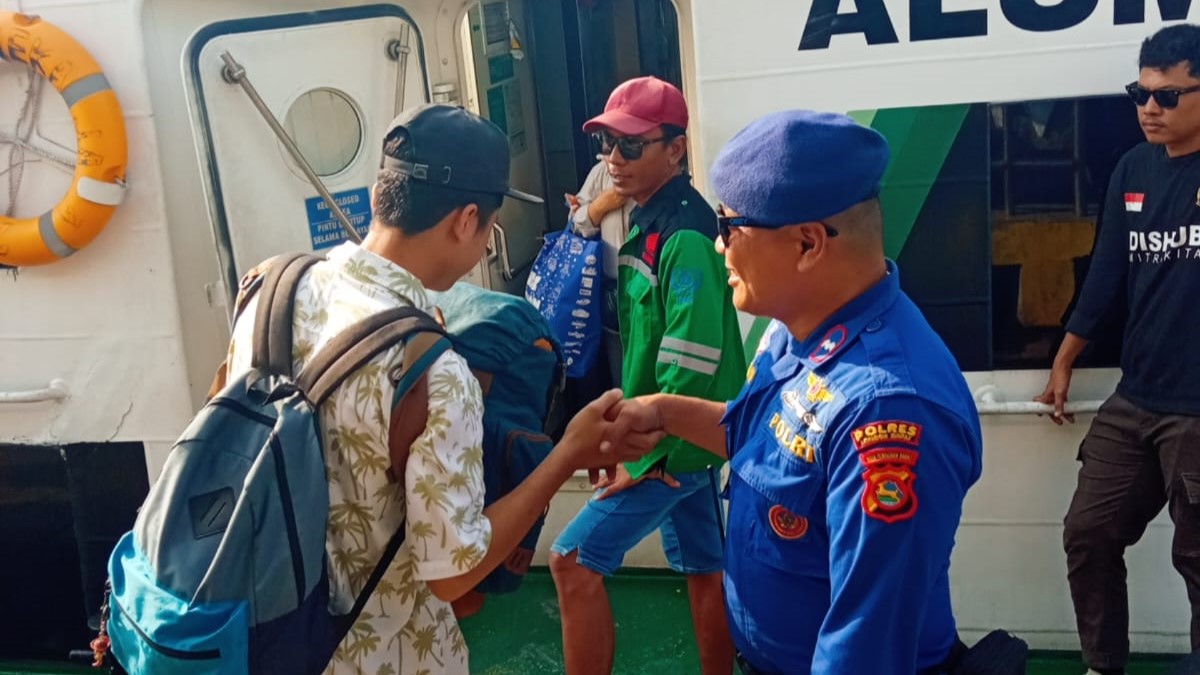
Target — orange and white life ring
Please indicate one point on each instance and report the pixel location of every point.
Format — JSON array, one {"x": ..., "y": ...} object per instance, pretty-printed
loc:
[{"x": 99, "y": 183}]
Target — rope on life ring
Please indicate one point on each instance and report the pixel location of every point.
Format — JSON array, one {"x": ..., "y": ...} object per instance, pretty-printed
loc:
[{"x": 98, "y": 186}]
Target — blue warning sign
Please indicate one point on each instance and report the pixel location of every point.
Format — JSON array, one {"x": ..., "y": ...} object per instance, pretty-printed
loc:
[{"x": 323, "y": 224}]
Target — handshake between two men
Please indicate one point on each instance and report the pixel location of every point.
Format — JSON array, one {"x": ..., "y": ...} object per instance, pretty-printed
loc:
[{"x": 612, "y": 430}]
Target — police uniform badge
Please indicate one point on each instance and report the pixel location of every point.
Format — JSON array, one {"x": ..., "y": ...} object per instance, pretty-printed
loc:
[
  {"x": 887, "y": 450},
  {"x": 888, "y": 493},
  {"x": 886, "y": 432},
  {"x": 829, "y": 345},
  {"x": 786, "y": 524},
  {"x": 817, "y": 391},
  {"x": 808, "y": 416}
]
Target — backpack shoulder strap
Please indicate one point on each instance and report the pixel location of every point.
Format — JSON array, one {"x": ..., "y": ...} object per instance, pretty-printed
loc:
[
  {"x": 273, "y": 320},
  {"x": 248, "y": 287},
  {"x": 420, "y": 351},
  {"x": 355, "y": 346},
  {"x": 351, "y": 349},
  {"x": 410, "y": 404}
]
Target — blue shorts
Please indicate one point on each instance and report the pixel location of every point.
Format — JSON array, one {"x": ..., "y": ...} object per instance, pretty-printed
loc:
[{"x": 688, "y": 516}]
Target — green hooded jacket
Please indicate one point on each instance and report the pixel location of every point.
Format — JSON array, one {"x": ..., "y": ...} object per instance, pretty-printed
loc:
[{"x": 679, "y": 329}]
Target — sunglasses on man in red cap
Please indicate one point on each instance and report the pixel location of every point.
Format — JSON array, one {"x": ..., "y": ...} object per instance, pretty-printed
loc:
[{"x": 631, "y": 147}]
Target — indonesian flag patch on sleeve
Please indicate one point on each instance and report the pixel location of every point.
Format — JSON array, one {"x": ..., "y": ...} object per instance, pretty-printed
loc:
[{"x": 1133, "y": 201}]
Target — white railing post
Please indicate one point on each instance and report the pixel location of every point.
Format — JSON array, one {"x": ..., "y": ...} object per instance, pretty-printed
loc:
[
  {"x": 989, "y": 401},
  {"x": 57, "y": 391}
]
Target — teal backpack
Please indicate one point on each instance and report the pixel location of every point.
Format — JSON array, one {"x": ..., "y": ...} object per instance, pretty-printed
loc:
[
  {"x": 225, "y": 570},
  {"x": 512, "y": 351}
]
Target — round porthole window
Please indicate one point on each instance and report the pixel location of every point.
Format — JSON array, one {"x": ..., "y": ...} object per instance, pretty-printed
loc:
[{"x": 327, "y": 128}]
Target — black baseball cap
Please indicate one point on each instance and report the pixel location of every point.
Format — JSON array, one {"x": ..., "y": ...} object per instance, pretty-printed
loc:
[{"x": 454, "y": 148}]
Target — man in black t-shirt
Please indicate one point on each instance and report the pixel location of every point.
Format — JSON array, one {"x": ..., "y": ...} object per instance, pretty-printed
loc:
[{"x": 1143, "y": 449}]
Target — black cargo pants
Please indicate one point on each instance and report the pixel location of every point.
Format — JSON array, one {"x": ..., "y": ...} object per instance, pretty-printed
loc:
[{"x": 1133, "y": 463}]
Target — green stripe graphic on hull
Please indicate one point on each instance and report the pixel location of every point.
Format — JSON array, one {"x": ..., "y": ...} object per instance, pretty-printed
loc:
[{"x": 920, "y": 139}]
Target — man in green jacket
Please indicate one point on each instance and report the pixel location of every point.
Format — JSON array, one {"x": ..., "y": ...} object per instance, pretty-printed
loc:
[{"x": 679, "y": 334}]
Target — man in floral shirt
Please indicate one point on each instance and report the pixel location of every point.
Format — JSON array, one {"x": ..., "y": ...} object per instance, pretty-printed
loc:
[{"x": 444, "y": 175}]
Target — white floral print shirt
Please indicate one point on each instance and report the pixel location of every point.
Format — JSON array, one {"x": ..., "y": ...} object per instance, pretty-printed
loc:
[{"x": 404, "y": 629}]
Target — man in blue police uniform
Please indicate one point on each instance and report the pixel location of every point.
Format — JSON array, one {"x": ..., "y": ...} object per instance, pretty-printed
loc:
[{"x": 855, "y": 438}]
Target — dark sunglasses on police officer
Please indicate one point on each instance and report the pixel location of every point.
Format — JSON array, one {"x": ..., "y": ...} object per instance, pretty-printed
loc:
[
  {"x": 724, "y": 223},
  {"x": 631, "y": 147},
  {"x": 1165, "y": 98}
]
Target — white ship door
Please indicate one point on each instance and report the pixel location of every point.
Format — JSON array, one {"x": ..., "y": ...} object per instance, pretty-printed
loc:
[{"x": 334, "y": 80}]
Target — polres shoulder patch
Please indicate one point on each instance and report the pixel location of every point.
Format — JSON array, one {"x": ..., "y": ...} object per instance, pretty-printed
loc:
[{"x": 886, "y": 431}]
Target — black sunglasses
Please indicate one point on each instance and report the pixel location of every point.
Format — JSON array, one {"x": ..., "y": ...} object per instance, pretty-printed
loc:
[
  {"x": 726, "y": 222},
  {"x": 631, "y": 147},
  {"x": 1165, "y": 98}
]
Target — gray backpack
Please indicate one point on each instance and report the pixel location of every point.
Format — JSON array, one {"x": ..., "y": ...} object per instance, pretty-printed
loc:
[{"x": 225, "y": 570}]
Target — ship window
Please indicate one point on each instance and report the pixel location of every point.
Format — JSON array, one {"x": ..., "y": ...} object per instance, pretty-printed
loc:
[
  {"x": 1051, "y": 162},
  {"x": 991, "y": 212},
  {"x": 327, "y": 128}
]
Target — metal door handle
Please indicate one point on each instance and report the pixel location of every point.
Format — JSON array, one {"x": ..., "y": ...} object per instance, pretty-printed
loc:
[{"x": 506, "y": 269}]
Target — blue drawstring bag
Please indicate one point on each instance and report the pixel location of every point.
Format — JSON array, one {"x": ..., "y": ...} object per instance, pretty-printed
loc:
[{"x": 566, "y": 284}]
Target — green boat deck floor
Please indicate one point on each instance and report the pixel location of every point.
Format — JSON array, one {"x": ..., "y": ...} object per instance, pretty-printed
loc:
[{"x": 519, "y": 634}]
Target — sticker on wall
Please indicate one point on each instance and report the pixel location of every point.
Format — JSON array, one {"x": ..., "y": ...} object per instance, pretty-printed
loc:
[{"x": 323, "y": 225}]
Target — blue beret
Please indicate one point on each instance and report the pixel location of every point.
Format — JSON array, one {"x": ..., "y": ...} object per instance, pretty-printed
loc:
[{"x": 799, "y": 166}]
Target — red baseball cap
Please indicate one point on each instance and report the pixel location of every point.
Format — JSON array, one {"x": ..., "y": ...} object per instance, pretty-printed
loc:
[{"x": 639, "y": 105}]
